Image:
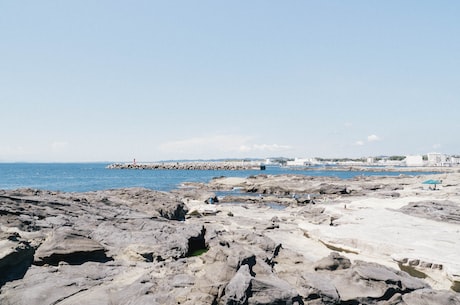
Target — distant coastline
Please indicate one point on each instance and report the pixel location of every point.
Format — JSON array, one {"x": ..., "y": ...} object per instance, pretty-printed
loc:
[
  {"x": 357, "y": 168},
  {"x": 257, "y": 165}
]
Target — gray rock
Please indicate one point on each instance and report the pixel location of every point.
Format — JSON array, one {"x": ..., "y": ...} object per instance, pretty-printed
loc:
[
  {"x": 445, "y": 210},
  {"x": 430, "y": 297},
  {"x": 69, "y": 246},
  {"x": 151, "y": 202},
  {"x": 334, "y": 261},
  {"x": 329, "y": 189},
  {"x": 16, "y": 256},
  {"x": 317, "y": 287},
  {"x": 244, "y": 288},
  {"x": 127, "y": 247},
  {"x": 273, "y": 290},
  {"x": 239, "y": 288},
  {"x": 365, "y": 282}
]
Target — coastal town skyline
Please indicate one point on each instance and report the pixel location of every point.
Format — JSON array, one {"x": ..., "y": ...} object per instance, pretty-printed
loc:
[{"x": 105, "y": 81}]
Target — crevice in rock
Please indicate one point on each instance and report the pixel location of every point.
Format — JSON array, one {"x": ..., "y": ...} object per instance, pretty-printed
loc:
[
  {"x": 75, "y": 258},
  {"x": 271, "y": 261},
  {"x": 18, "y": 268},
  {"x": 68, "y": 296},
  {"x": 350, "y": 302},
  {"x": 197, "y": 244},
  {"x": 15, "y": 265},
  {"x": 250, "y": 261},
  {"x": 298, "y": 300},
  {"x": 148, "y": 256}
]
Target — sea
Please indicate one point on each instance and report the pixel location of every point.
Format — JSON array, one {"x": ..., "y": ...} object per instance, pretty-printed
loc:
[{"x": 85, "y": 177}]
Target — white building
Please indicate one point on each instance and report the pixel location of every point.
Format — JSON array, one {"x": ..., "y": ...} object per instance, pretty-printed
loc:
[
  {"x": 454, "y": 161},
  {"x": 300, "y": 162},
  {"x": 414, "y": 160},
  {"x": 437, "y": 159}
]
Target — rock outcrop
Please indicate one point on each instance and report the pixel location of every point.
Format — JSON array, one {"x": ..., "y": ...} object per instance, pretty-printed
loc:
[
  {"x": 445, "y": 211},
  {"x": 137, "y": 246}
]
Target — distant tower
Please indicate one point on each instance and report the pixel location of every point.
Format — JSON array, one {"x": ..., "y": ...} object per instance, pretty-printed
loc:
[{"x": 134, "y": 161}]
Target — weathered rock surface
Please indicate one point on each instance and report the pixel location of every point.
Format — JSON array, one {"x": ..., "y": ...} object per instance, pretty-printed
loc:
[
  {"x": 137, "y": 246},
  {"x": 16, "y": 256},
  {"x": 446, "y": 211},
  {"x": 64, "y": 245},
  {"x": 428, "y": 297}
]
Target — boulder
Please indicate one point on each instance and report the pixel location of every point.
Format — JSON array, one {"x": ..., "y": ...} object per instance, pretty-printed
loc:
[
  {"x": 365, "y": 282},
  {"x": 239, "y": 289},
  {"x": 69, "y": 246},
  {"x": 273, "y": 290},
  {"x": 430, "y": 297},
  {"x": 154, "y": 203},
  {"x": 16, "y": 256},
  {"x": 334, "y": 261},
  {"x": 330, "y": 189},
  {"x": 317, "y": 287}
]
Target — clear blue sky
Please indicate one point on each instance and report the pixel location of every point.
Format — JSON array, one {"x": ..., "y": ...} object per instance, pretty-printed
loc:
[{"x": 154, "y": 80}]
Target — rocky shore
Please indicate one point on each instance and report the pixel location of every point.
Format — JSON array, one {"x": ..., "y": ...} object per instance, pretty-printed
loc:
[{"x": 288, "y": 239}]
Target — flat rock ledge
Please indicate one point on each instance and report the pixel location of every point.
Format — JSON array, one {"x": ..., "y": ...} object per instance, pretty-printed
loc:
[{"x": 138, "y": 246}]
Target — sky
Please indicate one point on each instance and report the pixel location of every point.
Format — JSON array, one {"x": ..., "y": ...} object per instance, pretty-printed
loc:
[{"x": 84, "y": 80}]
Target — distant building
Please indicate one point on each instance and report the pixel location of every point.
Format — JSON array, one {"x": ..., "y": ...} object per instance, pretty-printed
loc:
[
  {"x": 437, "y": 159},
  {"x": 300, "y": 162},
  {"x": 415, "y": 160},
  {"x": 268, "y": 161},
  {"x": 455, "y": 160}
]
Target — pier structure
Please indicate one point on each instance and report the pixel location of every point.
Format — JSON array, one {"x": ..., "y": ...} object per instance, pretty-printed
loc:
[{"x": 191, "y": 165}]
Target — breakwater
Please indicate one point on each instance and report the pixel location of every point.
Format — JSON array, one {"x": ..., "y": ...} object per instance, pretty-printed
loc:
[{"x": 195, "y": 165}]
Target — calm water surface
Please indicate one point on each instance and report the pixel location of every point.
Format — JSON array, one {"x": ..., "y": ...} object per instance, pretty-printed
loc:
[{"x": 82, "y": 177}]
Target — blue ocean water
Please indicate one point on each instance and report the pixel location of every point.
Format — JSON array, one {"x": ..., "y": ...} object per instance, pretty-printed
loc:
[{"x": 83, "y": 177}]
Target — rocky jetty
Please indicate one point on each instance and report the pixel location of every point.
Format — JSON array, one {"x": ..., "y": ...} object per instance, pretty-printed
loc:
[
  {"x": 195, "y": 165},
  {"x": 261, "y": 240}
]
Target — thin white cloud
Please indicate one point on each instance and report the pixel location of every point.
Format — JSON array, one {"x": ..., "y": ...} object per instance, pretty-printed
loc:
[
  {"x": 218, "y": 145},
  {"x": 265, "y": 148},
  {"x": 373, "y": 138},
  {"x": 370, "y": 138},
  {"x": 214, "y": 142}
]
